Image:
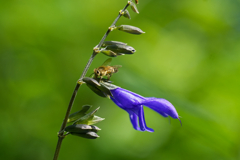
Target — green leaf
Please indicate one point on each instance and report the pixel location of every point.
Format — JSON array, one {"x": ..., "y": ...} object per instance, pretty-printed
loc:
[{"x": 89, "y": 118}]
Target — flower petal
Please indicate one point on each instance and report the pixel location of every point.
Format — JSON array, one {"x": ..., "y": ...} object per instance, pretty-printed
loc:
[
  {"x": 126, "y": 98},
  {"x": 133, "y": 119},
  {"x": 142, "y": 122},
  {"x": 135, "y": 113},
  {"x": 161, "y": 106}
]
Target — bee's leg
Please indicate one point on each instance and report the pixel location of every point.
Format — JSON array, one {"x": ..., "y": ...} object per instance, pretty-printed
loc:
[{"x": 109, "y": 76}]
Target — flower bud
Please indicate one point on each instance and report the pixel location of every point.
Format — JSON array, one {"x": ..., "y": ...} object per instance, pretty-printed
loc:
[
  {"x": 78, "y": 128},
  {"x": 91, "y": 81},
  {"x": 126, "y": 14},
  {"x": 95, "y": 128},
  {"x": 107, "y": 43},
  {"x": 109, "y": 53},
  {"x": 121, "y": 49},
  {"x": 96, "y": 87},
  {"x": 130, "y": 29},
  {"x": 83, "y": 127},
  {"x": 95, "y": 120},
  {"x": 88, "y": 135},
  {"x": 97, "y": 91},
  {"x": 134, "y": 7}
]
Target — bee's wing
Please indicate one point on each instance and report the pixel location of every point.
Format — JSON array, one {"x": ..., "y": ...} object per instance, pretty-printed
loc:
[
  {"x": 117, "y": 66},
  {"x": 107, "y": 62}
]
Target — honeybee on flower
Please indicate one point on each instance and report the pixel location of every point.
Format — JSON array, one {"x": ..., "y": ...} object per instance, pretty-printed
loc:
[{"x": 105, "y": 70}]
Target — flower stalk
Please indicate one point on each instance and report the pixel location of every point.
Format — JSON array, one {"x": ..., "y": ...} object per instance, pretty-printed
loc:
[{"x": 61, "y": 135}]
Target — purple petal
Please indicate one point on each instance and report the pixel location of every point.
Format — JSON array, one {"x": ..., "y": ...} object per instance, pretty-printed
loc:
[
  {"x": 133, "y": 118},
  {"x": 163, "y": 114},
  {"x": 135, "y": 113},
  {"x": 161, "y": 106},
  {"x": 124, "y": 97},
  {"x": 117, "y": 102},
  {"x": 142, "y": 122}
]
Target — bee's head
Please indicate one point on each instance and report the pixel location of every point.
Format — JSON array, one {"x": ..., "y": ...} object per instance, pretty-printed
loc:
[{"x": 97, "y": 72}]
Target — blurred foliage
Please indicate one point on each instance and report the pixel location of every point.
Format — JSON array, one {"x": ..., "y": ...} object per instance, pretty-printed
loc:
[{"x": 189, "y": 55}]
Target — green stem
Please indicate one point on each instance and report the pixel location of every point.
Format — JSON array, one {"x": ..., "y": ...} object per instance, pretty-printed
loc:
[
  {"x": 113, "y": 24},
  {"x": 79, "y": 83}
]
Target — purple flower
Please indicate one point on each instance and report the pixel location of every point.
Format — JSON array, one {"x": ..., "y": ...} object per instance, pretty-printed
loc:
[{"x": 133, "y": 104}]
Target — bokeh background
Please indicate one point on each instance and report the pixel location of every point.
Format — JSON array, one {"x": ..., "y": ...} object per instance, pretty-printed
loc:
[{"x": 189, "y": 55}]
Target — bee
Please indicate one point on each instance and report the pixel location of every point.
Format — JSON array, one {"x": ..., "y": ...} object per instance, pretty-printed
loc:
[
  {"x": 136, "y": 1},
  {"x": 106, "y": 70}
]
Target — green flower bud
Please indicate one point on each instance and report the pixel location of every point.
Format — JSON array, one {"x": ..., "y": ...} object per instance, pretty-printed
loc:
[
  {"x": 95, "y": 120},
  {"x": 107, "y": 43},
  {"x": 126, "y": 14},
  {"x": 121, "y": 49},
  {"x": 134, "y": 7},
  {"x": 97, "y": 88},
  {"x": 91, "y": 120},
  {"x": 88, "y": 135},
  {"x": 97, "y": 91},
  {"x": 78, "y": 128},
  {"x": 130, "y": 29},
  {"x": 81, "y": 128},
  {"x": 109, "y": 53},
  {"x": 91, "y": 81},
  {"x": 95, "y": 128}
]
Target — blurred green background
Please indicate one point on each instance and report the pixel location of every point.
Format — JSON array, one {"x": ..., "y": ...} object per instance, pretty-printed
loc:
[{"x": 189, "y": 55}]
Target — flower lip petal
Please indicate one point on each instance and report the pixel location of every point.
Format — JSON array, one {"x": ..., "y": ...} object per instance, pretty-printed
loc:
[
  {"x": 142, "y": 122},
  {"x": 133, "y": 119},
  {"x": 160, "y": 105}
]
